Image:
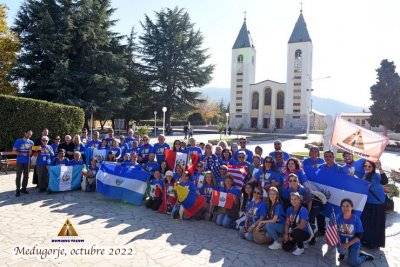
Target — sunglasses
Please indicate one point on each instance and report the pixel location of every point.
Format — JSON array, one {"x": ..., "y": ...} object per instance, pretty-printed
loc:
[
  {"x": 256, "y": 192},
  {"x": 294, "y": 181},
  {"x": 242, "y": 142},
  {"x": 199, "y": 166},
  {"x": 44, "y": 140},
  {"x": 268, "y": 161}
]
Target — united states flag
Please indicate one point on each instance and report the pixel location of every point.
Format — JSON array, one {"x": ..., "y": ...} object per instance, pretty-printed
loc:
[
  {"x": 239, "y": 174},
  {"x": 332, "y": 234}
]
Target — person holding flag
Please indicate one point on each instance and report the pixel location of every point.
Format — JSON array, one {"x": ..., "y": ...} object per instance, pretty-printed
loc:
[
  {"x": 226, "y": 216},
  {"x": 350, "y": 231},
  {"x": 169, "y": 194},
  {"x": 156, "y": 188},
  {"x": 206, "y": 190}
]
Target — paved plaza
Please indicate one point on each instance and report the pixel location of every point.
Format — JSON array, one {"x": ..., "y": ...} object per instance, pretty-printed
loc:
[{"x": 146, "y": 237}]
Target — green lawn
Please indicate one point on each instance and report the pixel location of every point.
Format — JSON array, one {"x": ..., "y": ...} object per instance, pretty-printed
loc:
[{"x": 339, "y": 156}]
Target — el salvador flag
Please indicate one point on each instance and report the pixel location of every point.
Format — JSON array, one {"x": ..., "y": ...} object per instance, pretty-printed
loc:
[
  {"x": 337, "y": 186},
  {"x": 122, "y": 183},
  {"x": 65, "y": 178}
]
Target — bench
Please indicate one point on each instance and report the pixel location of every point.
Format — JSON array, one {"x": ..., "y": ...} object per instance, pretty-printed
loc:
[{"x": 7, "y": 159}]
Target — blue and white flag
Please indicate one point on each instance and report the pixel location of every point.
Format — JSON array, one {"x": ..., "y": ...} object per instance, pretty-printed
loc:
[
  {"x": 65, "y": 178},
  {"x": 122, "y": 183},
  {"x": 337, "y": 186},
  {"x": 99, "y": 154}
]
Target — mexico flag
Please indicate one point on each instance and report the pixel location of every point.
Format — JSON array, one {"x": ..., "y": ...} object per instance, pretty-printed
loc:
[
  {"x": 222, "y": 199},
  {"x": 174, "y": 158}
]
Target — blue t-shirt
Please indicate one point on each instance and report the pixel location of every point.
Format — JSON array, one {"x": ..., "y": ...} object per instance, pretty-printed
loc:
[
  {"x": 308, "y": 162},
  {"x": 129, "y": 141},
  {"x": 73, "y": 163},
  {"x": 265, "y": 177},
  {"x": 256, "y": 211},
  {"x": 130, "y": 150},
  {"x": 144, "y": 152},
  {"x": 303, "y": 215},
  {"x": 109, "y": 141},
  {"x": 356, "y": 168},
  {"x": 189, "y": 185},
  {"x": 193, "y": 150},
  {"x": 124, "y": 147},
  {"x": 55, "y": 149},
  {"x": 151, "y": 166},
  {"x": 57, "y": 162},
  {"x": 23, "y": 146},
  {"x": 85, "y": 140},
  {"x": 285, "y": 155},
  {"x": 348, "y": 228},
  {"x": 129, "y": 164},
  {"x": 159, "y": 150},
  {"x": 226, "y": 161},
  {"x": 117, "y": 151},
  {"x": 94, "y": 144},
  {"x": 249, "y": 155},
  {"x": 207, "y": 190},
  {"x": 278, "y": 211},
  {"x": 45, "y": 156},
  {"x": 377, "y": 189}
]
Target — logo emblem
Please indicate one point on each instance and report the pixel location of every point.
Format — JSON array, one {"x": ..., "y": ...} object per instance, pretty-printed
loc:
[
  {"x": 66, "y": 178},
  {"x": 119, "y": 181},
  {"x": 355, "y": 140},
  {"x": 67, "y": 229},
  {"x": 222, "y": 199}
]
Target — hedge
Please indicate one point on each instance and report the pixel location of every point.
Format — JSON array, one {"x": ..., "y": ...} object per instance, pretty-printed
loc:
[{"x": 18, "y": 114}]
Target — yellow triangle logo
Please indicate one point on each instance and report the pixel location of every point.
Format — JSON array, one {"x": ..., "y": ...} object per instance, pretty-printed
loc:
[
  {"x": 67, "y": 229},
  {"x": 355, "y": 140}
]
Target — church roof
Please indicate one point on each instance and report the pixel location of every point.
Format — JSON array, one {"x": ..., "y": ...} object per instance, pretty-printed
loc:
[
  {"x": 300, "y": 32},
  {"x": 243, "y": 39}
]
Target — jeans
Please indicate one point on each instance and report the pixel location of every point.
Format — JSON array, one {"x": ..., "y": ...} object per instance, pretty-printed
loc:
[
  {"x": 248, "y": 236},
  {"x": 224, "y": 220},
  {"x": 353, "y": 257},
  {"x": 273, "y": 229},
  {"x": 22, "y": 168}
]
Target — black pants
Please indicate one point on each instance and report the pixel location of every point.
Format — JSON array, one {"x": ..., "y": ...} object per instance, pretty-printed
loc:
[
  {"x": 22, "y": 168},
  {"x": 299, "y": 236},
  {"x": 315, "y": 214},
  {"x": 154, "y": 203}
]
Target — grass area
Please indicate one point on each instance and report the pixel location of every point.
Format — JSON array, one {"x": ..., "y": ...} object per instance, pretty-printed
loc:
[{"x": 339, "y": 156}]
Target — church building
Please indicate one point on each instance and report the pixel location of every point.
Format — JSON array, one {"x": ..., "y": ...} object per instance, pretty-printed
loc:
[{"x": 270, "y": 104}]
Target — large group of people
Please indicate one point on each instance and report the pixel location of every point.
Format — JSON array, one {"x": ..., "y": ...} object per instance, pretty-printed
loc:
[{"x": 275, "y": 200}]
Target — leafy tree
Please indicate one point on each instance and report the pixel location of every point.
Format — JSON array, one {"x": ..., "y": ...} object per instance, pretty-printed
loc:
[
  {"x": 196, "y": 119},
  {"x": 385, "y": 94},
  {"x": 174, "y": 59},
  {"x": 9, "y": 47},
  {"x": 209, "y": 110}
]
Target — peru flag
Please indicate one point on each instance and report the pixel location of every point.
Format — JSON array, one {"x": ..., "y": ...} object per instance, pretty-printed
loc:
[{"x": 222, "y": 199}]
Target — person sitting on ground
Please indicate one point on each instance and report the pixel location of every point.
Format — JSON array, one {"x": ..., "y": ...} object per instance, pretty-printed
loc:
[
  {"x": 226, "y": 216},
  {"x": 156, "y": 191},
  {"x": 89, "y": 182},
  {"x": 169, "y": 195}
]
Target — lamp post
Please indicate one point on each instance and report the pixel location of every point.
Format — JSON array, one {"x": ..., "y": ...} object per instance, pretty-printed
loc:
[
  {"x": 227, "y": 123},
  {"x": 164, "y": 109},
  {"x": 309, "y": 106},
  {"x": 155, "y": 123}
]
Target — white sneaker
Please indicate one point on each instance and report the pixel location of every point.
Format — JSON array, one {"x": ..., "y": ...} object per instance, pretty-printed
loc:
[
  {"x": 298, "y": 251},
  {"x": 275, "y": 245}
]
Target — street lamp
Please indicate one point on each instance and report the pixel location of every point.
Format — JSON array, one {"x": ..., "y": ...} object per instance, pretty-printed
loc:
[
  {"x": 164, "y": 109},
  {"x": 227, "y": 124},
  {"x": 155, "y": 123},
  {"x": 309, "y": 107}
]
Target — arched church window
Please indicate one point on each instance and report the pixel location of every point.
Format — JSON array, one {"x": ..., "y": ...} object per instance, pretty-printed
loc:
[
  {"x": 297, "y": 54},
  {"x": 267, "y": 96},
  {"x": 240, "y": 63},
  {"x": 254, "y": 101},
  {"x": 280, "y": 100}
]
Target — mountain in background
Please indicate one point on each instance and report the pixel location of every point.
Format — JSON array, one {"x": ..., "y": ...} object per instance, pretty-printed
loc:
[{"x": 324, "y": 105}]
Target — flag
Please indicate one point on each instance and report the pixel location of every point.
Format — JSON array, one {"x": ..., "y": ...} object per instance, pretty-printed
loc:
[
  {"x": 191, "y": 201},
  {"x": 337, "y": 186},
  {"x": 357, "y": 140},
  {"x": 200, "y": 181},
  {"x": 99, "y": 154},
  {"x": 122, "y": 183},
  {"x": 213, "y": 165},
  {"x": 65, "y": 178},
  {"x": 174, "y": 158},
  {"x": 222, "y": 199},
  {"x": 192, "y": 162},
  {"x": 332, "y": 234},
  {"x": 239, "y": 174}
]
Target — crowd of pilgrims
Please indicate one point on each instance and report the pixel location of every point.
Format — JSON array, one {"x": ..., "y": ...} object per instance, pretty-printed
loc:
[{"x": 277, "y": 200}]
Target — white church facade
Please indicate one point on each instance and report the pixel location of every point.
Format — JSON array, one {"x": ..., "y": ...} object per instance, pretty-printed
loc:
[{"x": 269, "y": 104}]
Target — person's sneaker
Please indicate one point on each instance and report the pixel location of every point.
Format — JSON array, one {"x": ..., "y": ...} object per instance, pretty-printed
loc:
[
  {"x": 275, "y": 245},
  {"x": 312, "y": 241},
  {"x": 298, "y": 251},
  {"x": 17, "y": 194},
  {"x": 24, "y": 191},
  {"x": 341, "y": 257},
  {"x": 367, "y": 256}
]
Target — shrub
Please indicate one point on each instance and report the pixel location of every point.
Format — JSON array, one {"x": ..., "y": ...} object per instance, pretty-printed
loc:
[
  {"x": 196, "y": 119},
  {"x": 19, "y": 114}
]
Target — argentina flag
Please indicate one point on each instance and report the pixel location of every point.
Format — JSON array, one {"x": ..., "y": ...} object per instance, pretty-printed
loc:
[
  {"x": 122, "y": 183},
  {"x": 65, "y": 178},
  {"x": 337, "y": 186}
]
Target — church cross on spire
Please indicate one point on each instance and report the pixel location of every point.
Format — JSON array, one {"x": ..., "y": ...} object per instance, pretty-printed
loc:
[
  {"x": 245, "y": 15},
  {"x": 301, "y": 7}
]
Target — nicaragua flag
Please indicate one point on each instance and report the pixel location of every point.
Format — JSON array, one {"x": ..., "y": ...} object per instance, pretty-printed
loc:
[
  {"x": 222, "y": 199},
  {"x": 65, "y": 178},
  {"x": 122, "y": 183},
  {"x": 99, "y": 154},
  {"x": 191, "y": 201},
  {"x": 337, "y": 186}
]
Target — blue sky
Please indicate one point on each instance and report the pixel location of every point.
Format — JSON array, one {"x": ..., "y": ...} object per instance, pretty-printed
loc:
[{"x": 350, "y": 38}]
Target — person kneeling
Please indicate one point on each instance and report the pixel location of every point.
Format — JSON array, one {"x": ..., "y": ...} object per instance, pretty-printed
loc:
[{"x": 155, "y": 199}]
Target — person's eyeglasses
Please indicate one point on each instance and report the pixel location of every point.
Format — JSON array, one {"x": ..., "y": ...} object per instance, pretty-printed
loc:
[
  {"x": 242, "y": 142},
  {"x": 199, "y": 166},
  {"x": 294, "y": 181},
  {"x": 367, "y": 166},
  {"x": 268, "y": 161},
  {"x": 256, "y": 192},
  {"x": 44, "y": 140}
]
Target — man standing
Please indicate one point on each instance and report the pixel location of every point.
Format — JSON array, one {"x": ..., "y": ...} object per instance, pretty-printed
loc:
[
  {"x": 21, "y": 148},
  {"x": 84, "y": 137},
  {"x": 95, "y": 142},
  {"x": 193, "y": 149},
  {"x": 185, "y": 131},
  {"x": 278, "y": 147},
  {"x": 110, "y": 137},
  {"x": 160, "y": 147},
  {"x": 68, "y": 146},
  {"x": 38, "y": 142},
  {"x": 130, "y": 138},
  {"x": 248, "y": 153}
]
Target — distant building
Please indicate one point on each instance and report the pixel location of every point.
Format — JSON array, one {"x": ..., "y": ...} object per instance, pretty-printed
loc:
[
  {"x": 270, "y": 104},
  {"x": 361, "y": 119}
]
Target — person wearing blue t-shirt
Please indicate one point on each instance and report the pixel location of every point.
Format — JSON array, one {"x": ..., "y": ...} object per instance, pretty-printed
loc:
[
  {"x": 110, "y": 137},
  {"x": 267, "y": 177},
  {"x": 133, "y": 164},
  {"x": 296, "y": 226},
  {"x": 193, "y": 149},
  {"x": 21, "y": 148},
  {"x": 278, "y": 147},
  {"x": 274, "y": 223},
  {"x": 55, "y": 144},
  {"x": 144, "y": 150},
  {"x": 185, "y": 182},
  {"x": 249, "y": 153},
  {"x": 256, "y": 211},
  {"x": 160, "y": 147},
  {"x": 95, "y": 142},
  {"x": 60, "y": 160},
  {"x": 226, "y": 216},
  {"x": 156, "y": 188},
  {"x": 313, "y": 161},
  {"x": 352, "y": 167},
  {"x": 116, "y": 149},
  {"x": 122, "y": 145},
  {"x": 198, "y": 175},
  {"x": 350, "y": 231},
  {"x": 178, "y": 172},
  {"x": 44, "y": 160},
  {"x": 130, "y": 138},
  {"x": 151, "y": 165},
  {"x": 89, "y": 184},
  {"x": 84, "y": 137},
  {"x": 77, "y": 160}
]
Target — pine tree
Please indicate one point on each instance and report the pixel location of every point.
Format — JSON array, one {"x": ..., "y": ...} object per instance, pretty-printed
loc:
[
  {"x": 385, "y": 94},
  {"x": 9, "y": 47},
  {"x": 174, "y": 59}
]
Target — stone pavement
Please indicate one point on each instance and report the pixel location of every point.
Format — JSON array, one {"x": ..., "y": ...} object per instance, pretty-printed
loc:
[{"x": 154, "y": 239}]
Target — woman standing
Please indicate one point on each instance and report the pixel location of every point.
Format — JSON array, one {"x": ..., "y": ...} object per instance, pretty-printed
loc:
[
  {"x": 374, "y": 216},
  {"x": 44, "y": 160},
  {"x": 350, "y": 231}
]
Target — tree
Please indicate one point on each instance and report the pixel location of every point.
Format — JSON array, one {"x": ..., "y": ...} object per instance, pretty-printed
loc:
[
  {"x": 9, "y": 47},
  {"x": 196, "y": 119},
  {"x": 174, "y": 59},
  {"x": 220, "y": 129},
  {"x": 208, "y": 109},
  {"x": 385, "y": 94}
]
